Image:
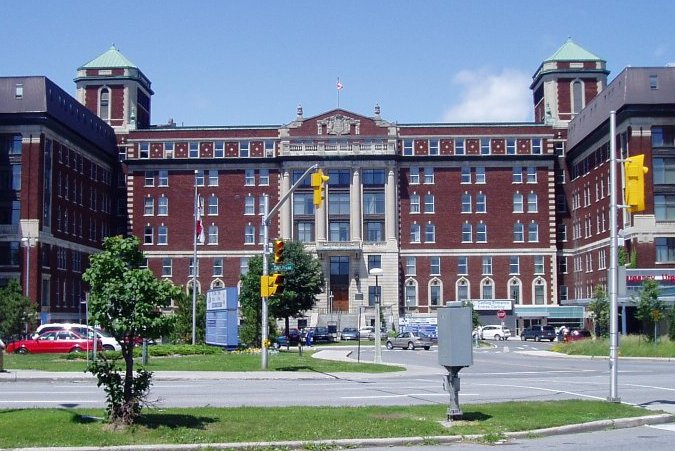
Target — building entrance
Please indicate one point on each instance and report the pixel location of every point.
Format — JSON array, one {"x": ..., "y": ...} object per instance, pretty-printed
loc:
[{"x": 339, "y": 284}]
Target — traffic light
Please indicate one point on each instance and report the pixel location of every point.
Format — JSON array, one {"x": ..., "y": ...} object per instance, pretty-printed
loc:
[
  {"x": 276, "y": 284},
  {"x": 318, "y": 184},
  {"x": 635, "y": 183},
  {"x": 265, "y": 286},
  {"x": 279, "y": 246}
]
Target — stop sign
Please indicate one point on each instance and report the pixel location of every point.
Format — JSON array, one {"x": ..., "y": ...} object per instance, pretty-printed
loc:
[{"x": 501, "y": 314}]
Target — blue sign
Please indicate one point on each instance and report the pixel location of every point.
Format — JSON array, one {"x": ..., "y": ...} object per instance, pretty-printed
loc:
[{"x": 222, "y": 326}]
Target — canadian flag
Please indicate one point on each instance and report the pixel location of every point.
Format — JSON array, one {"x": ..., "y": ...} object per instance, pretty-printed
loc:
[
  {"x": 338, "y": 85},
  {"x": 199, "y": 227}
]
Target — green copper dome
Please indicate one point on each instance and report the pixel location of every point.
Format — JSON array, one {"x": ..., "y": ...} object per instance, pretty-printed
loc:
[
  {"x": 571, "y": 51},
  {"x": 111, "y": 59}
]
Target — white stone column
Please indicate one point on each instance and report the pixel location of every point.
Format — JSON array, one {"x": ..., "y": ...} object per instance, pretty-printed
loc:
[
  {"x": 355, "y": 209},
  {"x": 320, "y": 218},
  {"x": 390, "y": 206},
  {"x": 285, "y": 217}
]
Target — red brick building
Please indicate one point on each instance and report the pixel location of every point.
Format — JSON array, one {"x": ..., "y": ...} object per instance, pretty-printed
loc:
[{"x": 512, "y": 216}]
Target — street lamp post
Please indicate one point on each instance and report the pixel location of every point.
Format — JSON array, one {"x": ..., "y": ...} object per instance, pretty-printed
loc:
[
  {"x": 378, "y": 337},
  {"x": 27, "y": 243}
]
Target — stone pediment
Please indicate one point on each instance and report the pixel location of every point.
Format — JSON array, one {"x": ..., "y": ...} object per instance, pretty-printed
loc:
[{"x": 338, "y": 124}]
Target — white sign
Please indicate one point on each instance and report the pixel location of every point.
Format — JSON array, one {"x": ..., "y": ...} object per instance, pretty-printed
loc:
[{"x": 492, "y": 304}]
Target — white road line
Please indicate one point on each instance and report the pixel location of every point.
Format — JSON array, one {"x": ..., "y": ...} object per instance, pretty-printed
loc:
[
  {"x": 547, "y": 390},
  {"x": 665, "y": 427},
  {"x": 69, "y": 401},
  {"x": 650, "y": 386},
  {"x": 406, "y": 395}
]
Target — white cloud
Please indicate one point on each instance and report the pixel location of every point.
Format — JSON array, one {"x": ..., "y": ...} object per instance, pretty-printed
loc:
[{"x": 490, "y": 97}]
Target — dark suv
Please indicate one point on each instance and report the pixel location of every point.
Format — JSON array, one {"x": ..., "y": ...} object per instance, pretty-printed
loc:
[{"x": 538, "y": 333}]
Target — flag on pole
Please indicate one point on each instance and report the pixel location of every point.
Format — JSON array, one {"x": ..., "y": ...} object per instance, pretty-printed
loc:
[
  {"x": 199, "y": 227},
  {"x": 338, "y": 85}
]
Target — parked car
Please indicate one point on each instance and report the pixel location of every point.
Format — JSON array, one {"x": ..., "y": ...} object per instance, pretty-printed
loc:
[
  {"x": 495, "y": 333},
  {"x": 109, "y": 342},
  {"x": 538, "y": 333},
  {"x": 410, "y": 340},
  {"x": 291, "y": 339},
  {"x": 321, "y": 334},
  {"x": 578, "y": 334},
  {"x": 349, "y": 333},
  {"x": 55, "y": 341},
  {"x": 367, "y": 332}
]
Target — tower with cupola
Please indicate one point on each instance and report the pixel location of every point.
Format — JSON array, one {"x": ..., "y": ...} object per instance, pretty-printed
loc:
[
  {"x": 565, "y": 83},
  {"x": 116, "y": 90}
]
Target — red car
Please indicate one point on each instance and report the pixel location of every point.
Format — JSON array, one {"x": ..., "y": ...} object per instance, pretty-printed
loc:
[
  {"x": 55, "y": 341},
  {"x": 577, "y": 334}
]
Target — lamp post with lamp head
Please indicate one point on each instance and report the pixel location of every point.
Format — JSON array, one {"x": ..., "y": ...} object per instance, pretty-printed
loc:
[{"x": 378, "y": 337}]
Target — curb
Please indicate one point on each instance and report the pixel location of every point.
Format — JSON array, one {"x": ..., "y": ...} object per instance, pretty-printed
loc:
[{"x": 619, "y": 423}]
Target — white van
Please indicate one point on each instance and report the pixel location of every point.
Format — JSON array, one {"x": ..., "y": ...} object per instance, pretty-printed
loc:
[
  {"x": 109, "y": 342},
  {"x": 495, "y": 333}
]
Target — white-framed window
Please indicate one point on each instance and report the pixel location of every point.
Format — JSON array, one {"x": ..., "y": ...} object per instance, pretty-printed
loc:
[
  {"x": 167, "y": 267},
  {"x": 539, "y": 291},
  {"x": 485, "y": 146},
  {"x": 481, "y": 178},
  {"x": 199, "y": 177},
  {"x": 562, "y": 265},
  {"x": 518, "y": 232},
  {"x": 149, "y": 206},
  {"x": 466, "y": 174},
  {"x": 218, "y": 267},
  {"x": 434, "y": 147},
  {"x": 514, "y": 264},
  {"x": 510, "y": 146},
  {"x": 467, "y": 233},
  {"x": 435, "y": 266},
  {"x": 163, "y": 206},
  {"x": 249, "y": 204},
  {"x": 169, "y": 149},
  {"x": 487, "y": 289},
  {"x": 428, "y": 175},
  {"x": 481, "y": 203},
  {"x": 533, "y": 232},
  {"x": 263, "y": 177},
  {"x": 219, "y": 149},
  {"x": 532, "y": 205},
  {"x": 531, "y": 174},
  {"x": 487, "y": 265},
  {"x": 407, "y": 147},
  {"x": 261, "y": 205},
  {"x": 414, "y": 203},
  {"x": 163, "y": 235},
  {"x": 462, "y": 289},
  {"x": 518, "y": 202},
  {"x": 249, "y": 234},
  {"x": 212, "y": 206},
  {"x": 103, "y": 105},
  {"x": 429, "y": 233},
  {"x": 517, "y": 174},
  {"x": 193, "y": 151},
  {"x": 269, "y": 148},
  {"x": 213, "y": 234},
  {"x": 435, "y": 293},
  {"x": 459, "y": 146},
  {"x": 144, "y": 150},
  {"x": 148, "y": 234},
  {"x": 249, "y": 177},
  {"x": 414, "y": 175},
  {"x": 462, "y": 265},
  {"x": 466, "y": 203},
  {"x": 244, "y": 148},
  {"x": 163, "y": 178},
  {"x": 429, "y": 203},
  {"x": 410, "y": 266},
  {"x": 213, "y": 177},
  {"x": 415, "y": 233},
  {"x": 536, "y": 146},
  {"x": 539, "y": 264},
  {"x": 411, "y": 293},
  {"x": 148, "y": 180},
  {"x": 481, "y": 233}
]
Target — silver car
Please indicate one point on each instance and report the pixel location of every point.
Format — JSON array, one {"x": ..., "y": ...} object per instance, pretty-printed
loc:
[{"x": 410, "y": 340}]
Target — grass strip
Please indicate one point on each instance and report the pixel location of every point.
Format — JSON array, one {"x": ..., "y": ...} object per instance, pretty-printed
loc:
[
  {"x": 85, "y": 427},
  {"x": 629, "y": 346}
]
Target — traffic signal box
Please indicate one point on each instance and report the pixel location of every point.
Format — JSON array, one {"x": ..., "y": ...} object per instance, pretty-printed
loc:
[
  {"x": 635, "y": 183},
  {"x": 319, "y": 181},
  {"x": 279, "y": 246},
  {"x": 271, "y": 285}
]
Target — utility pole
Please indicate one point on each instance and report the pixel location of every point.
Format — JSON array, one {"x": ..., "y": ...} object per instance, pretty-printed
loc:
[{"x": 613, "y": 266}]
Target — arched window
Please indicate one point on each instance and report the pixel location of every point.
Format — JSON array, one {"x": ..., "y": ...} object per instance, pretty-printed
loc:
[
  {"x": 539, "y": 291},
  {"x": 577, "y": 96},
  {"x": 104, "y": 104},
  {"x": 435, "y": 293},
  {"x": 411, "y": 293},
  {"x": 462, "y": 289},
  {"x": 515, "y": 290},
  {"x": 487, "y": 289}
]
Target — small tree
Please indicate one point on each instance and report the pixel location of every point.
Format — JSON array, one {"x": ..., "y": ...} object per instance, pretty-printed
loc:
[
  {"x": 650, "y": 309},
  {"x": 126, "y": 300},
  {"x": 599, "y": 308},
  {"x": 183, "y": 318},
  {"x": 251, "y": 305},
  {"x": 15, "y": 309},
  {"x": 671, "y": 327}
]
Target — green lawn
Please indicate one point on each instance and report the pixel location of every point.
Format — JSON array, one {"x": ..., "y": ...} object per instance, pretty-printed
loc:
[
  {"x": 629, "y": 346},
  {"x": 181, "y": 360},
  {"x": 84, "y": 427}
]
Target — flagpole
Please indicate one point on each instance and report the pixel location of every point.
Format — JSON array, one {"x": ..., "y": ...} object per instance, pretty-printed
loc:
[
  {"x": 338, "y": 85},
  {"x": 194, "y": 265}
]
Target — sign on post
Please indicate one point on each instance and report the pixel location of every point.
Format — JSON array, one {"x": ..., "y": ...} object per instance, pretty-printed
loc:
[{"x": 501, "y": 314}]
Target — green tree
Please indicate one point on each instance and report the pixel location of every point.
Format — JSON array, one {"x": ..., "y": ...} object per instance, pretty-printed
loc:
[
  {"x": 599, "y": 308},
  {"x": 671, "y": 325},
  {"x": 301, "y": 285},
  {"x": 126, "y": 299},
  {"x": 15, "y": 309},
  {"x": 182, "y": 331},
  {"x": 650, "y": 309}
]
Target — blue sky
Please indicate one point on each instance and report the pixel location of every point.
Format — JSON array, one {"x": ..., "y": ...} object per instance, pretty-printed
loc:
[{"x": 218, "y": 62}]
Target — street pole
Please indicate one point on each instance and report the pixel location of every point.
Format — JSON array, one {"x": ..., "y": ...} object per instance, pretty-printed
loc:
[
  {"x": 378, "y": 334},
  {"x": 613, "y": 266},
  {"x": 265, "y": 271},
  {"x": 194, "y": 265}
]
